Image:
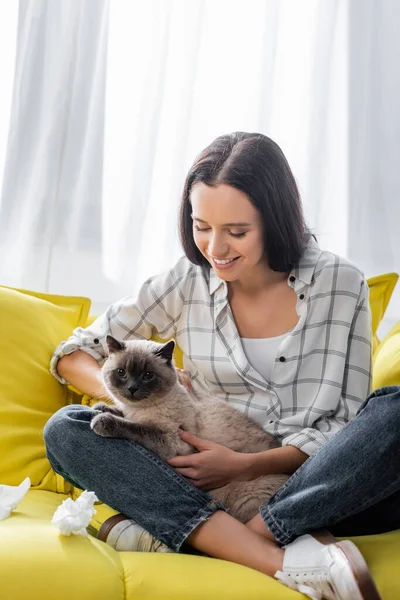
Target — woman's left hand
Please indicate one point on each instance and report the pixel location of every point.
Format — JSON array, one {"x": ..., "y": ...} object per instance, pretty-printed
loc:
[{"x": 212, "y": 466}]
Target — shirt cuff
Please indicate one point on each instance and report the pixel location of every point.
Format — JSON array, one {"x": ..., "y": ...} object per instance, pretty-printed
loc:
[
  {"x": 307, "y": 440},
  {"x": 67, "y": 348}
]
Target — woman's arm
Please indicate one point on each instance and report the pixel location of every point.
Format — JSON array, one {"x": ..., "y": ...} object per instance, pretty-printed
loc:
[
  {"x": 83, "y": 372},
  {"x": 276, "y": 461},
  {"x": 157, "y": 309}
]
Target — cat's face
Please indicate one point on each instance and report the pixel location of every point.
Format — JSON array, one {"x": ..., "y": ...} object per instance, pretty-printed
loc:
[{"x": 138, "y": 370}]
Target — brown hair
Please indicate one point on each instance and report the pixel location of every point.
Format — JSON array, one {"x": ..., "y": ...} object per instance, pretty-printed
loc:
[{"x": 255, "y": 165}]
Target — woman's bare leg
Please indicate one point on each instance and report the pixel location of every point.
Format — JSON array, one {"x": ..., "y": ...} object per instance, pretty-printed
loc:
[
  {"x": 257, "y": 525},
  {"x": 222, "y": 536}
]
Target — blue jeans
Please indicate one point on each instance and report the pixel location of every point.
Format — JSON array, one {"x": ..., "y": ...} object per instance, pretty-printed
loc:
[{"x": 350, "y": 486}]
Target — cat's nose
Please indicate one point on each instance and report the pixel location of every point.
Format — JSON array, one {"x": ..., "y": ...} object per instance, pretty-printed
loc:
[{"x": 132, "y": 389}]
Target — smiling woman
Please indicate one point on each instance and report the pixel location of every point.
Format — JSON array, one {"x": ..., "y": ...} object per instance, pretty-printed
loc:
[
  {"x": 249, "y": 194},
  {"x": 251, "y": 271}
]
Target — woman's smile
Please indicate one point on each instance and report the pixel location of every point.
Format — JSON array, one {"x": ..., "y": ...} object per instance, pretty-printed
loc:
[{"x": 223, "y": 264}]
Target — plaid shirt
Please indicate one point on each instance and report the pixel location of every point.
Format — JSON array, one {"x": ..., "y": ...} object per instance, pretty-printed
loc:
[{"x": 322, "y": 371}]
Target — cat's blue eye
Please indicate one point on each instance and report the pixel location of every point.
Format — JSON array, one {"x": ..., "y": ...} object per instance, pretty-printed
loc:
[
  {"x": 148, "y": 376},
  {"x": 121, "y": 372}
]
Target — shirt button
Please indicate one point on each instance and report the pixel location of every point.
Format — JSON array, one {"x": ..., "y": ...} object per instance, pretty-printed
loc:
[
  {"x": 96, "y": 341},
  {"x": 301, "y": 296},
  {"x": 282, "y": 358},
  {"x": 292, "y": 278}
]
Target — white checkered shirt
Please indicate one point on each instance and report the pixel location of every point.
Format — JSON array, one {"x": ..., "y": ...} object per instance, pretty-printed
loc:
[{"x": 322, "y": 371}]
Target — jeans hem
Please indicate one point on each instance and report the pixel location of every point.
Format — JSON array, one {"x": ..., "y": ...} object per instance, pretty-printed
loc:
[
  {"x": 276, "y": 527},
  {"x": 202, "y": 515}
]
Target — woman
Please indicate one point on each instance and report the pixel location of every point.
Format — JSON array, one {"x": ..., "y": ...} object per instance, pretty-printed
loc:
[{"x": 281, "y": 330}]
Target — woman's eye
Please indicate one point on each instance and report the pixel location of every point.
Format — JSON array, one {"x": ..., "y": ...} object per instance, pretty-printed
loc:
[
  {"x": 148, "y": 376},
  {"x": 237, "y": 235},
  {"x": 121, "y": 372}
]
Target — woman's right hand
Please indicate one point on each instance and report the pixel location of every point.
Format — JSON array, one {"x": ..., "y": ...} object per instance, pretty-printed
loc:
[{"x": 184, "y": 379}]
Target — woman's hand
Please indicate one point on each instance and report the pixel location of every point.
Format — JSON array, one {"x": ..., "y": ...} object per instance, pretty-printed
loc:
[
  {"x": 184, "y": 379},
  {"x": 213, "y": 466}
]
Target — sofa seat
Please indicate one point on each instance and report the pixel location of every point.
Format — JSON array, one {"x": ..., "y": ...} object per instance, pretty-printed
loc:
[
  {"x": 61, "y": 568},
  {"x": 37, "y": 563}
]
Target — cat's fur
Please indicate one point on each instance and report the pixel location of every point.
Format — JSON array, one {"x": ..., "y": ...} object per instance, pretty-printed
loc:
[{"x": 151, "y": 411}]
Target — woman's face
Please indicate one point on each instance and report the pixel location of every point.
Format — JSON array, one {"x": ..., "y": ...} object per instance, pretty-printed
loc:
[{"x": 227, "y": 229}]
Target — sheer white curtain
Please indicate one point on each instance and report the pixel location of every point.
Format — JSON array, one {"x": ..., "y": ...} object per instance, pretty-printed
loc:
[
  {"x": 374, "y": 148},
  {"x": 8, "y": 45},
  {"x": 50, "y": 220},
  {"x": 207, "y": 68},
  {"x": 112, "y": 102}
]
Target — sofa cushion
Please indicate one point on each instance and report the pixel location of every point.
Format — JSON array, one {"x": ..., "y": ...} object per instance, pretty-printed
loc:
[
  {"x": 31, "y": 326},
  {"x": 55, "y": 566},
  {"x": 387, "y": 360},
  {"x": 39, "y": 564},
  {"x": 380, "y": 290}
]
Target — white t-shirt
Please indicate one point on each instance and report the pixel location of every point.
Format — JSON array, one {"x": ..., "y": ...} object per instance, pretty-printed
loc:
[{"x": 262, "y": 353}]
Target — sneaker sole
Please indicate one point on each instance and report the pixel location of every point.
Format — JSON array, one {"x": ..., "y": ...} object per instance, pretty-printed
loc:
[
  {"x": 108, "y": 525},
  {"x": 366, "y": 585}
]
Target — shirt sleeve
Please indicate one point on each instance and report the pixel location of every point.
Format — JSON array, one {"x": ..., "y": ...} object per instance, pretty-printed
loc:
[
  {"x": 356, "y": 382},
  {"x": 156, "y": 309}
]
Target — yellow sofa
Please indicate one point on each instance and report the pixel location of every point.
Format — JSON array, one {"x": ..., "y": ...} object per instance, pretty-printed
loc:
[{"x": 35, "y": 562}]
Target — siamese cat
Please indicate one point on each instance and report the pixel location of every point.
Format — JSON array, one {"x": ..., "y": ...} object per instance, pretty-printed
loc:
[{"x": 151, "y": 405}]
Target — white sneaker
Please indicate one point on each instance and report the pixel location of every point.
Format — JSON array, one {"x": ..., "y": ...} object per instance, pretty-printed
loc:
[
  {"x": 336, "y": 571},
  {"x": 125, "y": 535}
]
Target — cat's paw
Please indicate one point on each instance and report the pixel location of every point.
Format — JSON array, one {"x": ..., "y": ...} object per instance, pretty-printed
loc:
[
  {"x": 104, "y": 408},
  {"x": 104, "y": 424}
]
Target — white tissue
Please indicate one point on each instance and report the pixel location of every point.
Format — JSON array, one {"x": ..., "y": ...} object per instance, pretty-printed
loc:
[
  {"x": 11, "y": 495},
  {"x": 74, "y": 516}
]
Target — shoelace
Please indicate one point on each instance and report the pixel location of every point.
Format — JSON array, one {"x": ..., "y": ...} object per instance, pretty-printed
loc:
[{"x": 315, "y": 585}]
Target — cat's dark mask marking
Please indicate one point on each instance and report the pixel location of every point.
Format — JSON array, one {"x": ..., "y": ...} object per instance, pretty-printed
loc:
[
  {"x": 135, "y": 371},
  {"x": 114, "y": 345}
]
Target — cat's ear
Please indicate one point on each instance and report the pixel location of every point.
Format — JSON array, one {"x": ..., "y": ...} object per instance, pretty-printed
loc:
[
  {"x": 166, "y": 351},
  {"x": 114, "y": 345}
]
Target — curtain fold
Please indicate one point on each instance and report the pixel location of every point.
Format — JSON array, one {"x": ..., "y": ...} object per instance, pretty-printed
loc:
[
  {"x": 374, "y": 140},
  {"x": 8, "y": 47},
  {"x": 50, "y": 220}
]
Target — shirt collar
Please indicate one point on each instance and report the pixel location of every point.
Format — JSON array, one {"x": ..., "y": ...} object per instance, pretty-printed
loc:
[
  {"x": 215, "y": 282},
  {"x": 304, "y": 271}
]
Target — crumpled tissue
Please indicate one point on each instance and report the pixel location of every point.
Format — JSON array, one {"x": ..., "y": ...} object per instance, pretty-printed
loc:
[
  {"x": 74, "y": 516},
  {"x": 11, "y": 495}
]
